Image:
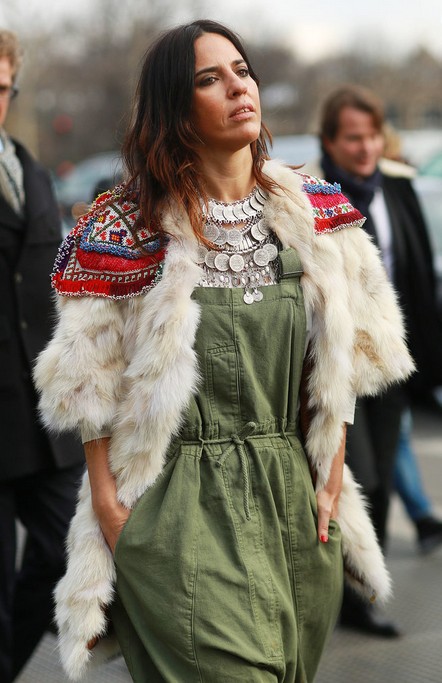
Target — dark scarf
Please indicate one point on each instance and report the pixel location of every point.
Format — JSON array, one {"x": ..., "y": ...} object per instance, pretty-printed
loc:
[{"x": 359, "y": 191}]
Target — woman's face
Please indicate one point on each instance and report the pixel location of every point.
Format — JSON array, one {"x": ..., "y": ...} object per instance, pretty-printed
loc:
[{"x": 226, "y": 111}]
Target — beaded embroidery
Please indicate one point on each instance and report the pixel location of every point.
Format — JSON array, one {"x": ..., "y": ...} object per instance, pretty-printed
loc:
[
  {"x": 100, "y": 258},
  {"x": 110, "y": 233},
  {"x": 318, "y": 186},
  {"x": 331, "y": 209}
]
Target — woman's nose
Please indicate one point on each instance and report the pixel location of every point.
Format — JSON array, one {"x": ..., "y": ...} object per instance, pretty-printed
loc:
[{"x": 237, "y": 86}]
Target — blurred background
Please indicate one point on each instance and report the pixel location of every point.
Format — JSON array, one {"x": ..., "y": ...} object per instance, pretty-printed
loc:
[{"x": 82, "y": 60}]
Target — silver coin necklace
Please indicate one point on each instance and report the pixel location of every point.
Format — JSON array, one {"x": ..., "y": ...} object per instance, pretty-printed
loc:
[{"x": 243, "y": 251}]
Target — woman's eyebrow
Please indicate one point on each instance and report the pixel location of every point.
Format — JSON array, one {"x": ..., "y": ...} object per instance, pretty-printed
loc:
[{"x": 209, "y": 69}]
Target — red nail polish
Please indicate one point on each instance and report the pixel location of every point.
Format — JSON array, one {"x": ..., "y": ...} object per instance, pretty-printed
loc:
[{"x": 323, "y": 538}]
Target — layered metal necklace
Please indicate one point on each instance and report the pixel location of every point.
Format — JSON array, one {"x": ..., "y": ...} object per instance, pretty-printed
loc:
[{"x": 243, "y": 249}]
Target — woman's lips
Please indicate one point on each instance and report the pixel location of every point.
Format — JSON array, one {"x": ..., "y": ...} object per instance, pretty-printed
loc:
[{"x": 242, "y": 113}]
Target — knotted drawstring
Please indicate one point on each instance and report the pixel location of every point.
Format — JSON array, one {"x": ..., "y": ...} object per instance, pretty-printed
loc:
[{"x": 238, "y": 442}]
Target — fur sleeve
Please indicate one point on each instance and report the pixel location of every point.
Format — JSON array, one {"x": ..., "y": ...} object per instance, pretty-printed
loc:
[
  {"x": 79, "y": 372},
  {"x": 358, "y": 338},
  {"x": 380, "y": 353}
]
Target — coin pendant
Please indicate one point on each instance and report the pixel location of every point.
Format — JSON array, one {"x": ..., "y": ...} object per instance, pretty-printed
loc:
[
  {"x": 236, "y": 263},
  {"x": 248, "y": 298},
  {"x": 263, "y": 227},
  {"x": 248, "y": 209},
  {"x": 260, "y": 197},
  {"x": 255, "y": 204},
  {"x": 217, "y": 212},
  {"x": 257, "y": 295},
  {"x": 256, "y": 233},
  {"x": 271, "y": 250},
  {"x": 261, "y": 257},
  {"x": 239, "y": 213},
  {"x": 222, "y": 262},
  {"x": 201, "y": 254},
  {"x": 228, "y": 214},
  {"x": 210, "y": 258},
  {"x": 211, "y": 232},
  {"x": 222, "y": 237},
  {"x": 233, "y": 237}
]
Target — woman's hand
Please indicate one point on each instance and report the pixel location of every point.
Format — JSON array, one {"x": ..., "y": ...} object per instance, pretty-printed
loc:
[
  {"x": 327, "y": 509},
  {"x": 111, "y": 514},
  {"x": 328, "y": 497},
  {"x": 112, "y": 520}
]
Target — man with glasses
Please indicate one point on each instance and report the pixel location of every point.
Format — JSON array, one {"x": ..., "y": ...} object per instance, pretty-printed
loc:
[{"x": 39, "y": 473}]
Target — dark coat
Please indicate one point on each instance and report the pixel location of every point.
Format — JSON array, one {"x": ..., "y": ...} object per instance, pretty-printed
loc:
[
  {"x": 415, "y": 282},
  {"x": 28, "y": 247}
]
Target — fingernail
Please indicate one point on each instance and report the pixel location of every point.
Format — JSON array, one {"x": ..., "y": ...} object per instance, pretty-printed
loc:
[{"x": 323, "y": 538}]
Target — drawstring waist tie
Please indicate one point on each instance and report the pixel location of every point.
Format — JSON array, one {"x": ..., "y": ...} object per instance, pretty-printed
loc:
[{"x": 237, "y": 442}]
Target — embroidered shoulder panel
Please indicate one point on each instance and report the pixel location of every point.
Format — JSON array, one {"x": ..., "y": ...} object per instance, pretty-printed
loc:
[
  {"x": 99, "y": 257},
  {"x": 331, "y": 209}
]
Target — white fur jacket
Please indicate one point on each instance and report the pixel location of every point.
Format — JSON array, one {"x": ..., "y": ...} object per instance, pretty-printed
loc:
[{"x": 128, "y": 362}]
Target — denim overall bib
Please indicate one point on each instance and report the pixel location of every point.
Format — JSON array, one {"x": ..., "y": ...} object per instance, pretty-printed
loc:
[{"x": 220, "y": 574}]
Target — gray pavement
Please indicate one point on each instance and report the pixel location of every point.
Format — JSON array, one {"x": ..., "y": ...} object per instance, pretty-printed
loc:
[{"x": 416, "y": 657}]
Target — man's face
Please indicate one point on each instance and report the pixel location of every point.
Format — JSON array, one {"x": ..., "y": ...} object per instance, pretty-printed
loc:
[
  {"x": 6, "y": 81},
  {"x": 358, "y": 144}
]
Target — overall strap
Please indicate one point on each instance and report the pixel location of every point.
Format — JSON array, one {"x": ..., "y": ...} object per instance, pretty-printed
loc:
[{"x": 290, "y": 264}]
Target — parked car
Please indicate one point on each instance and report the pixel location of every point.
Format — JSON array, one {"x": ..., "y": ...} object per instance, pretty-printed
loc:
[
  {"x": 433, "y": 166},
  {"x": 79, "y": 187},
  {"x": 429, "y": 191},
  {"x": 295, "y": 149}
]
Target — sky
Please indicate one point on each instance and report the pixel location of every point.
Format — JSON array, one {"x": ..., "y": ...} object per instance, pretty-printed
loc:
[
  {"x": 312, "y": 29},
  {"x": 319, "y": 28}
]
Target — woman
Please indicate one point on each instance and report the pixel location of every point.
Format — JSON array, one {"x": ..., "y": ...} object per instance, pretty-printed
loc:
[{"x": 187, "y": 297}]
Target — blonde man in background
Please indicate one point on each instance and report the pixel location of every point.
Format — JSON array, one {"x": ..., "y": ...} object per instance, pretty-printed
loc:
[{"x": 39, "y": 473}]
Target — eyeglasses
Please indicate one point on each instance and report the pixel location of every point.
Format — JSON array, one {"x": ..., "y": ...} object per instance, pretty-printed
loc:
[{"x": 8, "y": 92}]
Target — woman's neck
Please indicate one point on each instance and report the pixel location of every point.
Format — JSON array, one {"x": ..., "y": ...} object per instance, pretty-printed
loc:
[{"x": 228, "y": 178}]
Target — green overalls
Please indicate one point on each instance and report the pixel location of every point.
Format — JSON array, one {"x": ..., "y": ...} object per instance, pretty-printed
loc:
[{"x": 220, "y": 574}]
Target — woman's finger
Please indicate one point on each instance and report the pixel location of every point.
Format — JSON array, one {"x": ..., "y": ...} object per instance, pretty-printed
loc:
[
  {"x": 323, "y": 521},
  {"x": 324, "y": 514}
]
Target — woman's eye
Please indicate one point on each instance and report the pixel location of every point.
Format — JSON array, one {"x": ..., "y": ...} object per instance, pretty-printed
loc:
[
  {"x": 243, "y": 72},
  {"x": 208, "y": 80}
]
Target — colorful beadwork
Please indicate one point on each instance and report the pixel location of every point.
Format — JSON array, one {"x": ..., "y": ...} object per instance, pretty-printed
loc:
[
  {"x": 110, "y": 232},
  {"x": 99, "y": 257},
  {"x": 314, "y": 185},
  {"x": 331, "y": 209}
]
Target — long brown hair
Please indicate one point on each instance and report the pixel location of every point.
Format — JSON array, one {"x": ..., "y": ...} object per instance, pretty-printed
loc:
[{"x": 160, "y": 149}]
